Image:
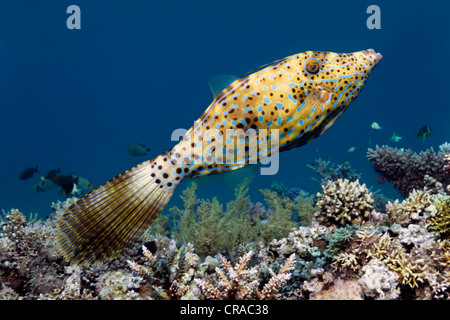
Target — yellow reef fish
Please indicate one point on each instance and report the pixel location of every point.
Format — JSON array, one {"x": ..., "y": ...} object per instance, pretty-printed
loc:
[{"x": 277, "y": 108}]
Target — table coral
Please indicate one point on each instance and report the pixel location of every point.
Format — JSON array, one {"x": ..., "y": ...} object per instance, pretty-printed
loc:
[{"x": 343, "y": 202}]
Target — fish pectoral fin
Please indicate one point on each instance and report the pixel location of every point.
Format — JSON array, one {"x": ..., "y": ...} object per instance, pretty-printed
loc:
[
  {"x": 323, "y": 94},
  {"x": 220, "y": 82}
]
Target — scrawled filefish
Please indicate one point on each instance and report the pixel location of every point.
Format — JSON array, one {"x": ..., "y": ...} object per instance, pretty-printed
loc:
[{"x": 285, "y": 105}]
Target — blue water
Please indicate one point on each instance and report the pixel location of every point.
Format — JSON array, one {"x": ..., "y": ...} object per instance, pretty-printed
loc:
[{"x": 137, "y": 70}]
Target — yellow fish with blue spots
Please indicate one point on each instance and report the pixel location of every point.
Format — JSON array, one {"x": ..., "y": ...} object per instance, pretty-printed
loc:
[{"x": 277, "y": 108}]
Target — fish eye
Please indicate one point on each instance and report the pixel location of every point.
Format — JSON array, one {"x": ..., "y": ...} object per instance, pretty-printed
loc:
[{"x": 312, "y": 66}]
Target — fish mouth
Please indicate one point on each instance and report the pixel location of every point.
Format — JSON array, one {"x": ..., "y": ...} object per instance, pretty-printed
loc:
[{"x": 372, "y": 55}]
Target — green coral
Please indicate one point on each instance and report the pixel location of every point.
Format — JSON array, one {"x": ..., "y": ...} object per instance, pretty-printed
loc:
[
  {"x": 212, "y": 229},
  {"x": 206, "y": 225},
  {"x": 337, "y": 239},
  {"x": 279, "y": 223}
]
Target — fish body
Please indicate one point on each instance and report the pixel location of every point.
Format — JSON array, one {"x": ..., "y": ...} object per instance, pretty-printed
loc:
[
  {"x": 43, "y": 185},
  {"x": 65, "y": 182},
  {"x": 137, "y": 149},
  {"x": 424, "y": 132},
  {"x": 351, "y": 149},
  {"x": 375, "y": 126},
  {"x": 28, "y": 173},
  {"x": 82, "y": 182},
  {"x": 280, "y": 107},
  {"x": 52, "y": 173}
]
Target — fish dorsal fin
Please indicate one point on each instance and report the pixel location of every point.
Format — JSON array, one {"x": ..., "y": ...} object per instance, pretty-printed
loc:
[{"x": 220, "y": 82}]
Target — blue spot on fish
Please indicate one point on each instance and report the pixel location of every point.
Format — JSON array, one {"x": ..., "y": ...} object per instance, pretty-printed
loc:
[
  {"x": 299, "y": 108},
  {"x": 266, "y": 100}
]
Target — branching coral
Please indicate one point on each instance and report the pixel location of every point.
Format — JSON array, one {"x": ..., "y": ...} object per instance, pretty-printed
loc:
[
  {"x": 240, "y": 283},
  {"x": 343, "y": 202},
  {"x": 394, "y": 256},
  {"x": 405, "y": 169}
]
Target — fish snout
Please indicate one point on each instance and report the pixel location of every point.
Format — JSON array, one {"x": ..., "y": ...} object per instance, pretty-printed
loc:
[{"x": 372, "y": 55}]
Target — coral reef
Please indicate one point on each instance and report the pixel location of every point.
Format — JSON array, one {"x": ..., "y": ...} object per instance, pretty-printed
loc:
[
  {"x": 336, "y": 245},
  {"x": 407, "y": 170}
]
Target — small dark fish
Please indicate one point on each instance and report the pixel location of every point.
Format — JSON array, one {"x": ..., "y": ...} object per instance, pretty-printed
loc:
[
  {"x": 424, "y": 132},
  {"x": 137, "y": 149},
  {"x": 65, "y": 182},
  {"x": 28, "y": 173},
  {"x": 84, "y": 183},
  {"x": 51, "y": 174}
]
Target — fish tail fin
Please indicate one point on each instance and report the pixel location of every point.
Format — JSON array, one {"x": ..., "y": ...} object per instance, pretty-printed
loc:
[{"x": 108, "y": 220}]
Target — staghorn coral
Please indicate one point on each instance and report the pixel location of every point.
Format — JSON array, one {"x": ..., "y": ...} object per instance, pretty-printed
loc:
[
  {"x": 343, "y": 202},
  {"x": 406, "y": 170},
  {"x": 240, "y": 283}
]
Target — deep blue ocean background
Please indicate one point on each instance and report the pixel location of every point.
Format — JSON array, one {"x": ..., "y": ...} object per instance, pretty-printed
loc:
[{"x": 137, "y": 70}]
